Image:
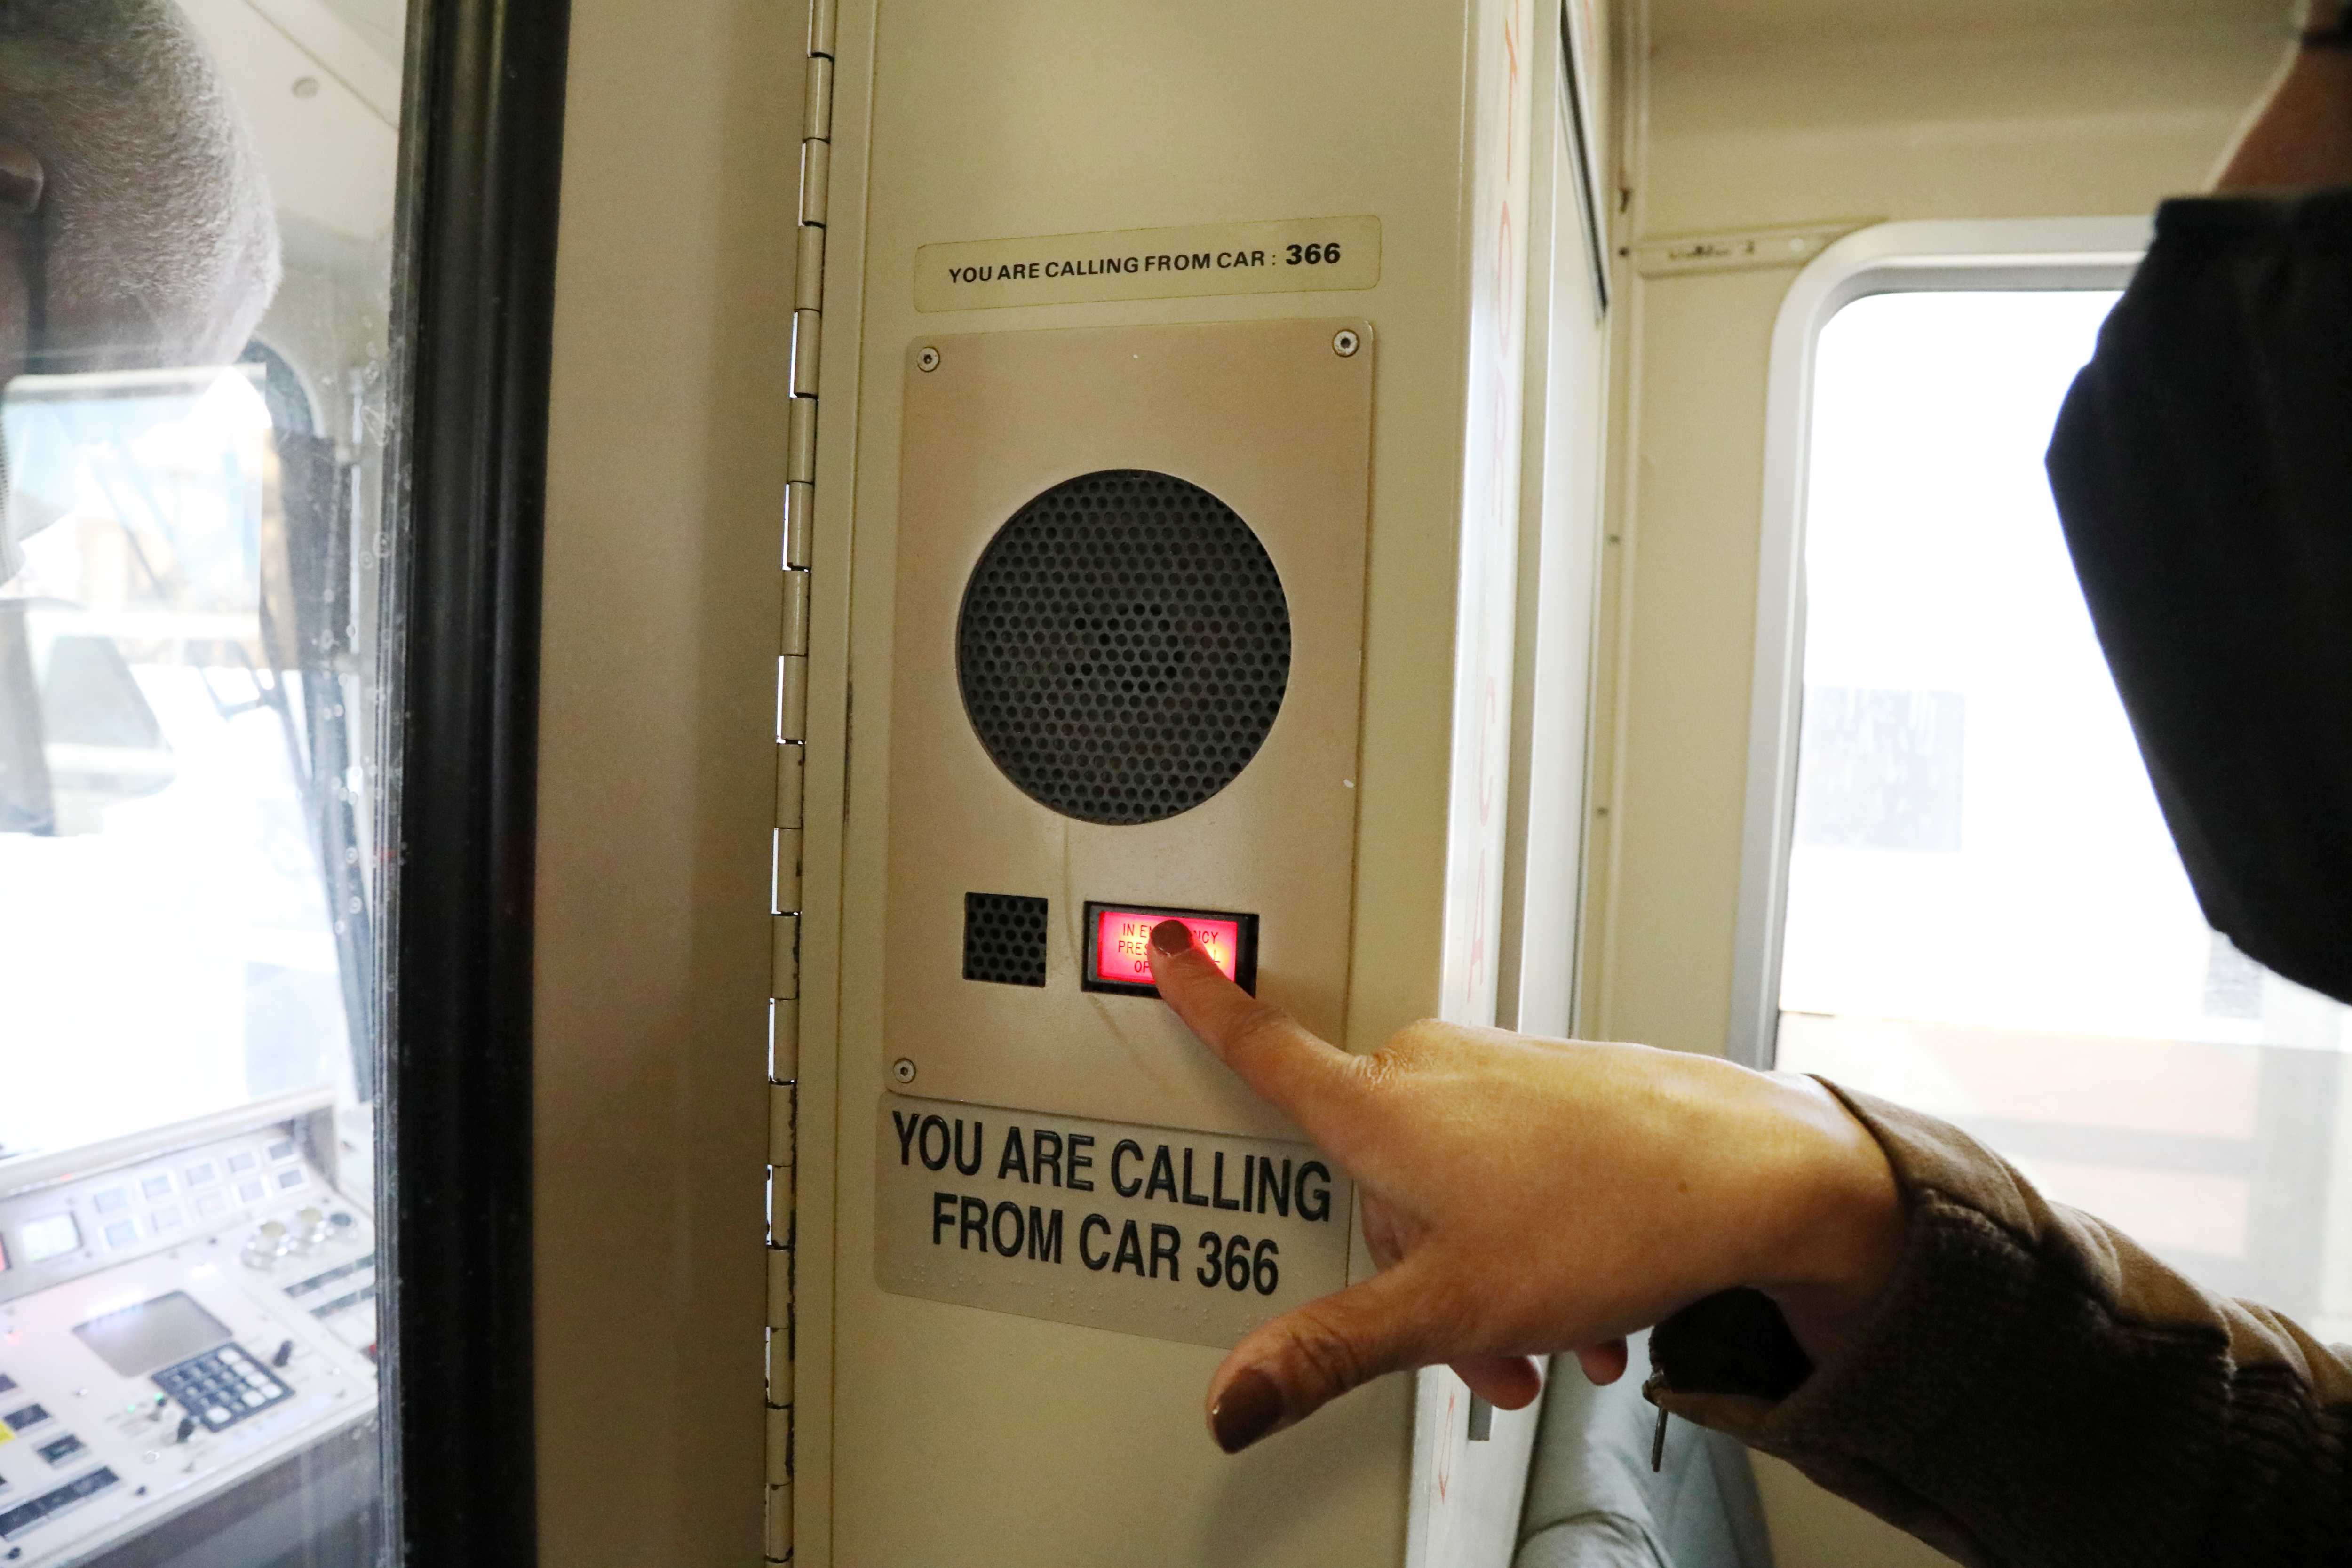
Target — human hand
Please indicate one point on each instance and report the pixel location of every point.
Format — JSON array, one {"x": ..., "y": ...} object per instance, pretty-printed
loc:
[{"x": 1525, "y": 1197}]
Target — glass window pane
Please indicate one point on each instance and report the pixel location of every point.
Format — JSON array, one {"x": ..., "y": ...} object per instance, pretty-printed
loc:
[
  {"x": 1986, "y": 915},
  {"x": 195, "y": 217}
]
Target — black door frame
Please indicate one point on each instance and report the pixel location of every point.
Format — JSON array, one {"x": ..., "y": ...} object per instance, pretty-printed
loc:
[{"x": 472, "y": 324}]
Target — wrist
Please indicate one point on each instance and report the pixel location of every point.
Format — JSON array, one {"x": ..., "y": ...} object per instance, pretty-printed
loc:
[{"x": 1842, "y": 1223}]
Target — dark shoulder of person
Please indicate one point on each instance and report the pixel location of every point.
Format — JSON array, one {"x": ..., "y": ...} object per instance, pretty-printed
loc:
[{"x": 2202, "y": 469}]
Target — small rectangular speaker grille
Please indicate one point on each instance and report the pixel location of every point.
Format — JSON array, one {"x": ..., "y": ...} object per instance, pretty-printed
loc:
[{"x": 1004, "y": 939}]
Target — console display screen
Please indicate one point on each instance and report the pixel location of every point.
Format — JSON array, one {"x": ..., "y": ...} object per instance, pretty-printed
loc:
[
  {"x": 137, "y": 1340},
  {"x": 51, "y": 1235}
]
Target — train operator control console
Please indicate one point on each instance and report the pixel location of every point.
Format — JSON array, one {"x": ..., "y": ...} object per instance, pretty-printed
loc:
[{"x": 174, "y": 1325}]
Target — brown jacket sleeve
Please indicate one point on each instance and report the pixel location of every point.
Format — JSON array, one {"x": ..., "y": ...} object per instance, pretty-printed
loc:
[{"x": 2035, "y": 1389}]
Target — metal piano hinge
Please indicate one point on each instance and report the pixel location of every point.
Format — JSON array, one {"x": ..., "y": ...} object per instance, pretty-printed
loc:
[{"x": 791, "y": 766}]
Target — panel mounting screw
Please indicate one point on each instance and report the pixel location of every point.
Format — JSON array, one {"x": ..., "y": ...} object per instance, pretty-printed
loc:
[
  {"x": 1346, "y": 344},
  {"x": 927, "y": 360},
  {"x": 904, "y": 1071}
]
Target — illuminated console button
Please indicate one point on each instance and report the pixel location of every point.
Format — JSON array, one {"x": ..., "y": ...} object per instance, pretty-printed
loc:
[
  {"x": 1118, "y": 946},
  {"x": 268, "y": 1245}
]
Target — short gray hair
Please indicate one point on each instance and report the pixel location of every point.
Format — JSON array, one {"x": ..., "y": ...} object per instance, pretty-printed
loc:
[{"x": 161, "y": 238}]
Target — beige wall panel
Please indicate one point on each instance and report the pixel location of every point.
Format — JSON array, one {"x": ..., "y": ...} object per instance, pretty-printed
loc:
[
  {"x": 674, "y": 294},
  {"x": 1046, "y": 121},
  {"x": 1767, "y": 115},
  {"x": 1689, "y": 647},
  {"x": 957, "y": 1435},
  {"x": 1560, "y": 530},
  {"x": 1747, "y": 24},
  {"x": 2049, "y": 123},
  {"x": 1001, "y": 420},
  {"x": 2033, "y": 124}
]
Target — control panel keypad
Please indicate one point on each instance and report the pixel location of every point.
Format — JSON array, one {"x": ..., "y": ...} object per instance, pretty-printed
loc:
[{"x": 221, "y": 1387}]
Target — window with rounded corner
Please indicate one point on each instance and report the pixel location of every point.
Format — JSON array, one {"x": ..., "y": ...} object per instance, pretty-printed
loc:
[{"x": 1986, "y": 917}]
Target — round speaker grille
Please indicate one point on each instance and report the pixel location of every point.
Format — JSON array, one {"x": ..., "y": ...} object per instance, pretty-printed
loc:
[{"x": 1124, "y": 647}]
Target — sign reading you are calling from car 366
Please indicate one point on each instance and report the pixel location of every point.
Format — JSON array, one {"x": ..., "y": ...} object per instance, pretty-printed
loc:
[
  {"x": 1288, "y": 256},
  {"x": 1176, "y": 1235}
]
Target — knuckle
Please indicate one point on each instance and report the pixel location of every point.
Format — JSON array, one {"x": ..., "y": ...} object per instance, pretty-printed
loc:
[
  {"x": 1259, "y": 1024},
  {"x": 1383, "y": 1070},
  {"x": 1408, "y": 1050},
  {"x": 1419, "y": 1038},
  {"x": 1325, "y": 1352},
  {"x": 1457, "y": 1306}
]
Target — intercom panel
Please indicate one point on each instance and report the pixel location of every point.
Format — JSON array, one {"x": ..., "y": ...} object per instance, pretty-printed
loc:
[{"x": 1128, "y": 661}]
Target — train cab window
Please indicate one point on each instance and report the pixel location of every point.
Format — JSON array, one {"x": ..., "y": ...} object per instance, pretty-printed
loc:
[
  {"x": 196, "y": 684},
  {"x": 1984, "y": 915},
  {"x": 160, "y": 898}
]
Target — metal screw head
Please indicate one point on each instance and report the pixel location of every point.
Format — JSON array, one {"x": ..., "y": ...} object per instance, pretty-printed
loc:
[
  {"x": 927, "y": 360},
  {"x": 904, "y": 1071},
  {"x": 1346, "y": 344}
]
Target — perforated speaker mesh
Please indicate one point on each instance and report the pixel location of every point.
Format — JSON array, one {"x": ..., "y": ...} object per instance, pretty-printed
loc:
[
  {"x": 1124, "y": 647},
  {"x": 1004, "y": 939}
]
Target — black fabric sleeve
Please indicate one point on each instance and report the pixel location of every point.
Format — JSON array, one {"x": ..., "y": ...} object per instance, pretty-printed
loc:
[{"x": 2203, "y": 472}]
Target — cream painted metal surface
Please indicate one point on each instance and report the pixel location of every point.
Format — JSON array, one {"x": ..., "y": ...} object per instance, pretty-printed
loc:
[
  {"x": 1270, "y": 418},
  {"x": 1465, "y": 1493},
  {"x": 658, "y": 777},
  {"x": 1822, "y": 26},
  {"x": 1166, "y": 1234},
  {"x": 951, "y": 1435},
  {"x": 1757, "y": 120}
]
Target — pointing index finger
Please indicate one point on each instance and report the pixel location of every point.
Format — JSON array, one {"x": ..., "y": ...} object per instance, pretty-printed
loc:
[{"x": 1299, "y": 1073}]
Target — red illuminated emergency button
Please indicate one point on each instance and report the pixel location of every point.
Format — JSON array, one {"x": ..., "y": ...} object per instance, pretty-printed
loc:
[
  {"x": 1118, "y": 946},
  {"x": 1123, "y": 943}
]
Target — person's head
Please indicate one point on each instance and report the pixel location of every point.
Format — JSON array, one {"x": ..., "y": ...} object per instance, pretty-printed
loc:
[{"x": 136, "y": 225}]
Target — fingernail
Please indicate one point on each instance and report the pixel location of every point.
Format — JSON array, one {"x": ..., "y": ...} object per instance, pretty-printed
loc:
[
  {"x": 1249, "y": 1408},
  {"x": 1171, "y": 937}
]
